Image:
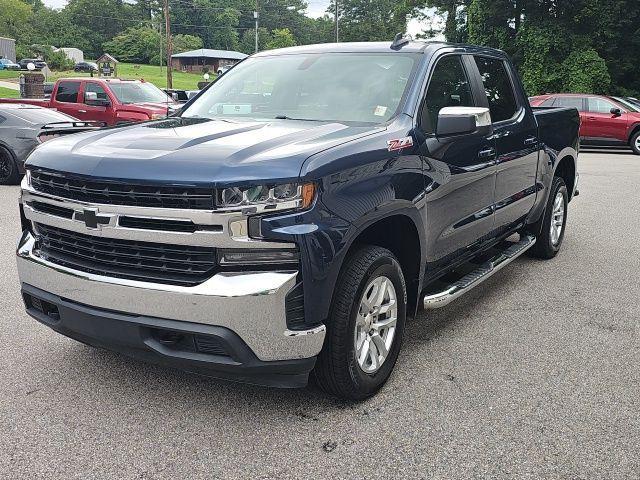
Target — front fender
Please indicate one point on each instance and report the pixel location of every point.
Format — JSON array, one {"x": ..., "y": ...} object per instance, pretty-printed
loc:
[{"x": 349, "y": 202}]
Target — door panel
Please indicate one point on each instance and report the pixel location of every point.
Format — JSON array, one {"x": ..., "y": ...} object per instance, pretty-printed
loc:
[
  {"x": 515, "y": 133},
  {"x": 95, "y": 112},
  {"x": 66, "y": 98},
  {"x": 459, "y": 171},
  {"x": 459, "y": 194},
  {"x": 602, "y": 124}
]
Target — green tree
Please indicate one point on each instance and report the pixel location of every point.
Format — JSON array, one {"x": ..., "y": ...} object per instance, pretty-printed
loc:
[
  {"x": 281, "y": 38},
  {"x": 366, "y": 21},
  {"x": 14, "y": 14},
  {"x": 248, "y": 40},
  {"x": 586, "y": 72},
  {"x": 135, "y": 44}
]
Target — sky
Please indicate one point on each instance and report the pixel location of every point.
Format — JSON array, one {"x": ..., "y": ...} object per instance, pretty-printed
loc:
[{"x": 316, "y": 9}]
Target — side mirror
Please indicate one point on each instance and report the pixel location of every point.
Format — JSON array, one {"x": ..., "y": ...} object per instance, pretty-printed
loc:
[
  {"x": 464, "y": 120},
  {"x": 616, "y": 112},
  {"x": 91, "y": 98}
]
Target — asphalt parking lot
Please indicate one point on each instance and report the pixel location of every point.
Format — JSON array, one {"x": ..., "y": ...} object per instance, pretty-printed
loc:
[{"x": 535, "y": 374}]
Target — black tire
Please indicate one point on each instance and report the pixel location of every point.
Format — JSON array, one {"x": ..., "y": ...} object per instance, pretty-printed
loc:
[
  {"x": 635, "y": 143},
  {"x": 545, "y": 248},
  {"x": 9, "y": 174},
  {"x": 337, "y": 370}
]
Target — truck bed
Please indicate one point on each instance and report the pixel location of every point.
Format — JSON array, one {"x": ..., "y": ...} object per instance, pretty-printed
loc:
[
  {"x": 40, "y": 102},
  {"x": 557, "y": 126}
]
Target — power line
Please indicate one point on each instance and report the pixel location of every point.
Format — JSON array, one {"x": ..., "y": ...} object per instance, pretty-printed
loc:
[{"x": 105, "y": 17}]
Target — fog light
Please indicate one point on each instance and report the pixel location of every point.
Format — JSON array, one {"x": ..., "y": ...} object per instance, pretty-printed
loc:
[{"x": 257, "y": 257}]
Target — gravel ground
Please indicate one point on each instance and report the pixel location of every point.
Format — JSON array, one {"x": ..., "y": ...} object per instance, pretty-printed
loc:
[{"x": 535, "y": 374}]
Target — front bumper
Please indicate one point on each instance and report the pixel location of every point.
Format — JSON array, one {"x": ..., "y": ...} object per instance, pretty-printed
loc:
[
  {"x": 249, "y": 304},
  {"x": 204, "y": 349}
]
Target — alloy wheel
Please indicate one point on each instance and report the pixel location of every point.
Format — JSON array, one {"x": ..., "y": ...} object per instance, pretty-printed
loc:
[
  {"x": 557, "y": 218},
  {"x": 375, "y": 325}
]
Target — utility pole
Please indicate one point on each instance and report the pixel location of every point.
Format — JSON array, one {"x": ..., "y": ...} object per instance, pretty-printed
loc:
[
  {"x": 255, "y": 16},
  {"x": 335, "y": 14},
  {"x": 169, "y": 43},
  {"x": 160, "y": 35}
]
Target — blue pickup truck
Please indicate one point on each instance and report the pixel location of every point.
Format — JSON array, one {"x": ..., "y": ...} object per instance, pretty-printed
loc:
[{"x": 289, "y": 218}]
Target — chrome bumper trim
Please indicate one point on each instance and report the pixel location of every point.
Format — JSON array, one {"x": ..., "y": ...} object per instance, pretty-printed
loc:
[{"x": 252, "y": 304}]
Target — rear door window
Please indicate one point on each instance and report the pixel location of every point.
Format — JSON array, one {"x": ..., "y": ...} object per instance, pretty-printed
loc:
[
  {"x": 498, "y": 88},
  {"x": 599, "y": 105},
  {"x": 68, "y": 92},
  {"x": 575, "y": 102}
]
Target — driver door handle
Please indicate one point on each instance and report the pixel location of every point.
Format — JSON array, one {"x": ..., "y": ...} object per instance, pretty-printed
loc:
[
  {"x": 82, "y": 111},
  {"x": 487, "y": 153}
]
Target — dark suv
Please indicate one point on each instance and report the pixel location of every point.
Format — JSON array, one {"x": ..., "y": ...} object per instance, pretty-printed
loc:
[{"x": 39, "y": 64}]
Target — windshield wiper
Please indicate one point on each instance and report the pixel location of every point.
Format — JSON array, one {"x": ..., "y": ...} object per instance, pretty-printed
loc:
[{"x": 285, "y": 117}]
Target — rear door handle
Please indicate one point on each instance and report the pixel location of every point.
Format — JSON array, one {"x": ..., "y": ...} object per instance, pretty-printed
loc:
[
  {"x": 530, "y": 141},
  {"x": 489, "y": 152},
  {"x": 82, "y": 111}
]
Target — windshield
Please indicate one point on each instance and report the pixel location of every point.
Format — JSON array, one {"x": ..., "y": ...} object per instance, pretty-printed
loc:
[
  {"x": 627, "y": 104},
  {"x": 134, "y": 92},
  {"x": 343, "y": 87}
]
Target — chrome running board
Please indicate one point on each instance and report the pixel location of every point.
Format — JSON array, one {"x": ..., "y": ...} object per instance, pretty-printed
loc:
[{"x": 479, "y": 275}]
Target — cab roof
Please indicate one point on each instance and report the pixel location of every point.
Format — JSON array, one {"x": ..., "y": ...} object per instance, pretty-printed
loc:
[{"x": 377, "y": 47}]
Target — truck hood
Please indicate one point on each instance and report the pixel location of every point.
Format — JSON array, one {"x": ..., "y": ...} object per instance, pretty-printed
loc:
[{"x": 195, "y": 151}]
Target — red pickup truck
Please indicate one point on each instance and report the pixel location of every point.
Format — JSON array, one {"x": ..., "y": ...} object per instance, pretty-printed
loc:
[{"x": 112, "y": 101}]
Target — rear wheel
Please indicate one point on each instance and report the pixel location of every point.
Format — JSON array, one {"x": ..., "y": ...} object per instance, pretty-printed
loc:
[
  {"x": 635, "y": 143},
  {"x": 364, "y": 331},
  {"x": 551, "y": 233},
  {"x": 9, "y": 174}
]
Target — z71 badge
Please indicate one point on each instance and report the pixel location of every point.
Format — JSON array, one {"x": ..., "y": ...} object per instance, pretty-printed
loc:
[{"x": 399, "y": 143}]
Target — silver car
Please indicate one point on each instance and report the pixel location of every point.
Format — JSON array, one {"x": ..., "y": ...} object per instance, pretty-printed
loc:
[{"x": 23, "y": 127}]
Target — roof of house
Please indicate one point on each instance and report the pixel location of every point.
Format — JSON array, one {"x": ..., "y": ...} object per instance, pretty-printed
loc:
[
  {"x": 209, "y": 53},
  {"x": 105, "y": 57}
]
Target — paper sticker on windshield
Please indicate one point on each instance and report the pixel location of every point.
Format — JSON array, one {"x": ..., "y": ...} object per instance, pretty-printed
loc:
[
  {"x": 236, "y": 109},
  {"x": 399, "y": 143},
  {"x": 380, "y": 111}
]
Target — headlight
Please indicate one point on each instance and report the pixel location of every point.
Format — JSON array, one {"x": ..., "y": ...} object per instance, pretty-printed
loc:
[{"x": 268, "y": 197}]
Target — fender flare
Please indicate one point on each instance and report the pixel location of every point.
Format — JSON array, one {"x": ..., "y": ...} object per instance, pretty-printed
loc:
[{"x": 402, "y": 208}]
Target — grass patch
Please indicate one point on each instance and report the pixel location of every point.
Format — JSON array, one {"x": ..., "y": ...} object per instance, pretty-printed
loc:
[
  {"x": 150, "y": 73},
  {"x": 9, "y": 93},
  {"x": 5, "y": 74}
]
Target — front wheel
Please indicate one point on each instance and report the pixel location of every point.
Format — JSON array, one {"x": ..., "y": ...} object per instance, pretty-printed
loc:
[
  {"x": 9, "y": 174},
  {"x": 554, "y": 220},
  {"x": 635, "y": 143},
  {"x": 366, "y": 324}
]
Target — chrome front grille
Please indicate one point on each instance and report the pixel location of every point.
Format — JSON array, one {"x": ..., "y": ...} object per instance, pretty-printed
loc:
[
  {"x": 175, "y": 246},
  {"x": 120, "y": 193},
  {"x": 151, "y": 262}
]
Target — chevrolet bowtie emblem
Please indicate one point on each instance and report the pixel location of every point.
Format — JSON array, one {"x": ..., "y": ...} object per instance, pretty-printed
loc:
[{"x": 91, "y": 218}]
